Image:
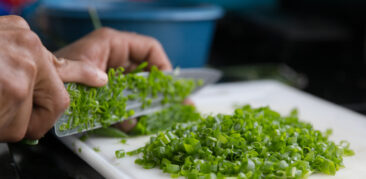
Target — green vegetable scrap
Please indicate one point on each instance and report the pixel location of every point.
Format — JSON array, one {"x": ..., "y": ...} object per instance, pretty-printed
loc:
[
  {"x": 251, "y": 143},
  {"x": 84, "y": 137},
  {"x": 165, "y": 119},
  {"x": 107, "y": 105},
  {"x": 29, "y": 141},
  {"x": 96, "y": 149},
  {"x": 123, "y": 141},
  {"x": 120, "y": 153}
]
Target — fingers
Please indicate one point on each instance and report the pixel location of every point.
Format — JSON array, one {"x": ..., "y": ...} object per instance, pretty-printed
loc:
[
  {"x": 127, "y": 125},
  {"x": 88, "y": 49},
  {"x": 108, "y": 48},
  {"x": 50, "y": 98},
  {"x": 188, "y": 102},
  {"x": 141, "y": 48},
  {"x": 148, "y": 49},
  {"x": 80, "y": 72},
  {"x": 130, "y": 49},
  {"x": 13, "y": 22},
  {"x": 15, "y": 129},
  {"x": 16, "y": 91}
]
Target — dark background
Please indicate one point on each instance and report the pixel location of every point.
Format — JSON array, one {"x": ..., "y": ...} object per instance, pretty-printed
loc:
[{"x": 321, "y": 41}]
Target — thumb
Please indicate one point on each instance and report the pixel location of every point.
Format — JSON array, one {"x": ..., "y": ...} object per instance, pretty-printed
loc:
[{"x": 80, "y": 72}]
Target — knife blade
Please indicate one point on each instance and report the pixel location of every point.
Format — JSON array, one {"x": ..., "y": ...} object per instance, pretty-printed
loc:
[{"x": 207, "y": 75}]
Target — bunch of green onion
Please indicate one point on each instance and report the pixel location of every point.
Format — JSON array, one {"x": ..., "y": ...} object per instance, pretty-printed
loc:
[
  {"x": 165, "y": 119},
  {"x": 107, "y": 105}
]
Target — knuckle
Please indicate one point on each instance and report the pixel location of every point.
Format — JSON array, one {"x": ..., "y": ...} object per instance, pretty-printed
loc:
[
  {"x": 66, "y": 102},
  {"x": 38, "y": 126},
  {"x": 63, "y": 102},
  {"x": 29, "y": 38},
  {"x": 105, "y": 31},
  {"x": 16, "y": 136},
  {"x": 20, "y": 85},
  {"x": 18, "y": 21},
  {"x": 30, "y": 67},
  {"x": 88, "y": 71},
  {"x": 20, "y": 91},
  {"x": 154, "y": 42},
  {"x": 37, "y": 134},
  {"x": 89, "y": 75}
]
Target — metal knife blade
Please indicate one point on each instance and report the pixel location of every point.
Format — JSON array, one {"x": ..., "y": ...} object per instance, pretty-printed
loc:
[{"x": 209, "y": 76}]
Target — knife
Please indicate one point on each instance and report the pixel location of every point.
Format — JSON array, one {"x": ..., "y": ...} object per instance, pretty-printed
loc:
[{"x": 207, "y": 75}]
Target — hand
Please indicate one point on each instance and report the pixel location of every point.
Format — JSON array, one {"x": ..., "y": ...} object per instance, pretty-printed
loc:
[
  {"x": 32, "y": 93},
  {"x": 108, "y": 48}
]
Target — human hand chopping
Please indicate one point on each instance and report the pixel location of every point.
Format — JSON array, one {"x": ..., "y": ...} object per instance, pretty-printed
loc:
[{"x": 32, "y": 94}]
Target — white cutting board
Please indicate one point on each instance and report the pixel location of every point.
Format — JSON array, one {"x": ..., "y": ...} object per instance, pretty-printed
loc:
[{"x": 346, "y": 125}]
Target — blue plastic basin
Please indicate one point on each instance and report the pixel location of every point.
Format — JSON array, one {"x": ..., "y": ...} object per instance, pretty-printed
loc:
[
  {"x": 240, "y": 5},
  {"x": 184, "y": 29}
]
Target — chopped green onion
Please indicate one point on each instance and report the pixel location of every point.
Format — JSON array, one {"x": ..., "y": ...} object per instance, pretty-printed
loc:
[
  {"x": 84, "y": 137},
  {"x": 251, "y": 143},
  {"x": 120, "y": 153},
  {"x": 107, "y": 105},
  {"x": 96, "y": 149},
  {"x": 29, "y": 141},
  {"x": 140, "y": 68},
  {"x": 123, "y": 141},
  {"x": 165, "y": 119}
]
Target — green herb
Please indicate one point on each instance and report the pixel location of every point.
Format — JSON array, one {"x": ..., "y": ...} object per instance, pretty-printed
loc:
[
  {"x": 84, "y": 137},
  {"x": 80, "y": 150},
  {"x": 107, "y": 105},
  {"x": 96, "y": 149},
  {"x": 120, "y": 153},
  {"x": 140, "y": 68},
  {"x": 134, "y": 152},
  {"x": 165, "y": 119},
  {"x": 251, "y": 143},
  {"x": 29, "y": 141},
  {"x": 94, "y": 17},
  {"x": 123, "y": 141}
]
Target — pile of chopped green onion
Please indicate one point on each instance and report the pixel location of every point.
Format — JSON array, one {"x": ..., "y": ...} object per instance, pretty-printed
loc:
[
  {"x": 165, "y": 119},
  {"x": 107, "y": 105},
  {"x": 251, "y": 143}
]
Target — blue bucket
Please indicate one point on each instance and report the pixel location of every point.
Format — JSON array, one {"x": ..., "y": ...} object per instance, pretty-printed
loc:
[
  {"x": 240, "y": 5},
  {"x": 184, "y": 29}
]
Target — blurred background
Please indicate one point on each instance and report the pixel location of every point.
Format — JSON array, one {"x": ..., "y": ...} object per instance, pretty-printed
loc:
[{"x": 317, "y": 46}]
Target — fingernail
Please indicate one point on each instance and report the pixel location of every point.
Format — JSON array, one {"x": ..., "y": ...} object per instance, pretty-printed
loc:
[{"x": 102, "y": 76}]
